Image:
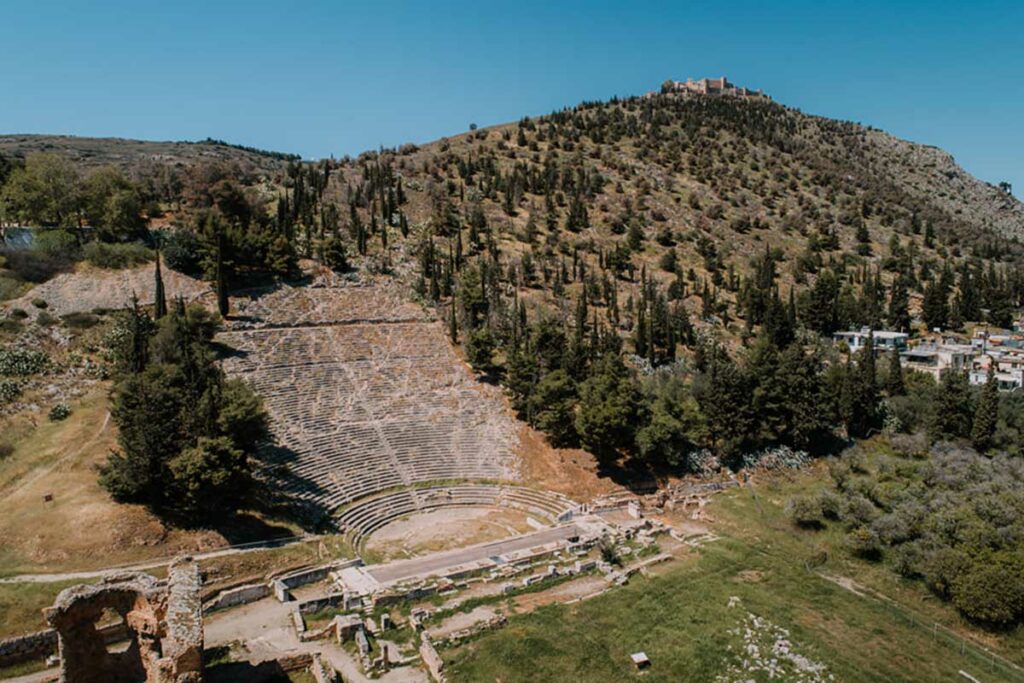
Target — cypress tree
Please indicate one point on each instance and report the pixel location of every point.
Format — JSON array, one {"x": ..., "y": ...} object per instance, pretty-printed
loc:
[
  {"x": 894, "y": 384},
  {"x": 899, "y": 303},
  {"x": 985, "y": 415},
  {"x": 952, "y": 410},
  {"x": 860, "y": 392},
  {"x": 223, "y": 305},
  {"x": 160, "y": 298}
]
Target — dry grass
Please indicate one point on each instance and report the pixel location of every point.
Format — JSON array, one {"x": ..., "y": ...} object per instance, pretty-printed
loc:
[
  {"x": 81, "y": 528},
  {"x": 569, "y": 471}
]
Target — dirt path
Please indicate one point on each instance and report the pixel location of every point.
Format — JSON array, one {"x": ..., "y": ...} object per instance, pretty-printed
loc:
[{"x": 222, "y": 552}]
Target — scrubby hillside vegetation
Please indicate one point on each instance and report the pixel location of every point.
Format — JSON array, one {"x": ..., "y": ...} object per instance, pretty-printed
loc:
[{"x": 655, "y": 279}]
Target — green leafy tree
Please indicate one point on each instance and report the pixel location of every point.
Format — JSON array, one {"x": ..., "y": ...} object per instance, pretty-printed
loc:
[
  {"x": 160, "y": 296},
  {"x": 607, "y": 412},
  {"x": 899, "y": 305},
  {"x": 859, "y": 402},
  {"x": 894, "y": 383},
  {"x": 991, "y": 588},
  {"x": 723, "y": 393},
  {"x": 551, "y": 407},
  {"x": 334, "y": 254},
  {"x": 935, "y": 308},
  {"x": 480, "y": 349},
  {"x": 672, "y": 425},
  {"x": 952, "y": 409},
  {"x": 209, "y": 477},
  {"x": 146, "y": 408},
  {"x": 45, "y": 191}
]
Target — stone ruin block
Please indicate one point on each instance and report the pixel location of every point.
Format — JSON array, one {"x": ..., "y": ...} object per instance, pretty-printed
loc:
[
  {"x": 164, "y": 624},
  {"x": 346, "y": 626}
]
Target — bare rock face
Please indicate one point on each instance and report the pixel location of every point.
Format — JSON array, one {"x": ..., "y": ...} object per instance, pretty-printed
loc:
[{"x": 163, "y": 621}]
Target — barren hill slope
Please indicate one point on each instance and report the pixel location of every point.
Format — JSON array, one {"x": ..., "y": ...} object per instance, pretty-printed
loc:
[{"x": 131, "y": 154}]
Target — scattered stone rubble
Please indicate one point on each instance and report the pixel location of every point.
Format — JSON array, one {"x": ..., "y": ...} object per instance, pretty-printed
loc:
[{"x": 765, "y": 650}]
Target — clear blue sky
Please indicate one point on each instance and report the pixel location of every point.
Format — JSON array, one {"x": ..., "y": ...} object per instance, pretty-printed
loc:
[{"x": 321, "y": 78}]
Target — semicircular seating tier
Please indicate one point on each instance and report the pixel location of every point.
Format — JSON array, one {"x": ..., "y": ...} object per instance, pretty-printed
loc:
[
  {"x": 366, "y": 516},
  {"x": 365, "y": 395}
]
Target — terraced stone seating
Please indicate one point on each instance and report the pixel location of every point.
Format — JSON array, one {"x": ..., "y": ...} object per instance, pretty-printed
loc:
[
  {"x": 328, "y": 301},
  {"x": 363, "y": 518},
  {"x": 356, "y": 409}
]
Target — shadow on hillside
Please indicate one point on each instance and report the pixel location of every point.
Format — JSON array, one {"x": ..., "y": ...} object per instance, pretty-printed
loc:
[
  {"x": 279, "y": 481},
  {"x": 243, "y": 527},
  {"x": 637, "y": 476},
  {"x": 222, "y": 350}
]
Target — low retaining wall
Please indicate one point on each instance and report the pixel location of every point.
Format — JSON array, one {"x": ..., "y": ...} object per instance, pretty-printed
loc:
[
  {"x": 237, "y": 596},
  {"x": 27, "y": 647},
  {"x": 301, "y": 578},
  {"x": 44, "y": 643}
]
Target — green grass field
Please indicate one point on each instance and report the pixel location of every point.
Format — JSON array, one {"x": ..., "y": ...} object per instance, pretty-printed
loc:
[{"x": 682, "y": 620}]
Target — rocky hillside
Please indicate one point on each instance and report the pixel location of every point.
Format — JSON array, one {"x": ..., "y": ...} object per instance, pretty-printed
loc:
[
  {"x": 694, "y": 192},
  {"x": 133, "y": 154}
]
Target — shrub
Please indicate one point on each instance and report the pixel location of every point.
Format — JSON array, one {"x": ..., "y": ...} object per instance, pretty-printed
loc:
[
  {"x": 40, "y": 303},
  {"x": 991, "y": 589},
  {"x": 9, "y": 390},
  {"x": 858, "y": 510},
  {"x": 10, "y": 325},
  {"x": 10, "y": 288},
  {"x": 831, "y": 504},
  {"x": 80, "y": 321},
  {"x": 182, "y": 252},
  {"x": 18, "y": 314},
  {"x": 46, "y": 320},
  {"x": 61, "y": 245},
  {"x": 116, "y": 256},
  {"x": 863, "y": 542},
  {"x": 59, "y": 412},
  {"x": 34, "y": 265},
  {"x": 910, "y": 445},
  {"x": 6, "y": 450},
  {"x": 608, "y": 552},
  {"x": 17, "y": 362},
  {"x": 806, "y": 512}
]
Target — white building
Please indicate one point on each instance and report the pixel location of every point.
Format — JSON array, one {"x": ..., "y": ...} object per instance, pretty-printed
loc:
[{"x": 884, "y": 340}]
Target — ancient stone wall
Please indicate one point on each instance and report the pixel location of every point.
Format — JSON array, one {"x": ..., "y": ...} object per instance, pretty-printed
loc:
[
  {"x": 27, "y": 647},
  {"x": 163, "y": 622}
]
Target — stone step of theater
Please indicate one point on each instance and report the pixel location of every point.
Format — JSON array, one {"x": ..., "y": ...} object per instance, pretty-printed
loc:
[
  {"x": 359, "y": 409},
  {"x": 361, "y": 519}
]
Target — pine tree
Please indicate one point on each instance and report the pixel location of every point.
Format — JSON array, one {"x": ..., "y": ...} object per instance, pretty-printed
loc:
[
  {"x": 986, "y": 414},
  {"x": 608, "y": 405}
]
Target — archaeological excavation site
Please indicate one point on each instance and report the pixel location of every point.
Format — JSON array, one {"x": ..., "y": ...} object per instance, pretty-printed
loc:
[
  {"x": 686, "y": 385},
  {"x": 429, "y": 522}
]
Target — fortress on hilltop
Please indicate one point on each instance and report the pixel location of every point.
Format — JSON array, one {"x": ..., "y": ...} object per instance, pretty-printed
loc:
[{"x": 711, "y": 86}]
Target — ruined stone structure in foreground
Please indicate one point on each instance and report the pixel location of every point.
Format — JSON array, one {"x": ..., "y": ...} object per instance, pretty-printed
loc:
[{"x": 163, "y": 620}]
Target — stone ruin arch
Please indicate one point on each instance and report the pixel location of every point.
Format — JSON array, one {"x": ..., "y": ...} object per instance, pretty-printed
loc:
[{"x": 163, "y": 620}]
